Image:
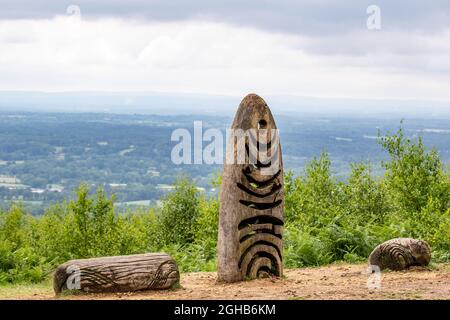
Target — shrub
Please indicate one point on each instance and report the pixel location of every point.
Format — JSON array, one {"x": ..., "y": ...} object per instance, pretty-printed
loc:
[{"x": 179, "y": 213}]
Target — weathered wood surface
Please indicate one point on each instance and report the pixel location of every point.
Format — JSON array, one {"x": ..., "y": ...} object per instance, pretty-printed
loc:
[
  {"x": 251, "y": 212},
  {"x": 117, "y": 274},
  {"x": 400, "y": 254}
]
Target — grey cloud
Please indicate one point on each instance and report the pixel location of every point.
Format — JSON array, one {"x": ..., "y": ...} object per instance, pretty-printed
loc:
[
  {"x": 331, "y": 27},
  {"x": 287, "y": 16}
]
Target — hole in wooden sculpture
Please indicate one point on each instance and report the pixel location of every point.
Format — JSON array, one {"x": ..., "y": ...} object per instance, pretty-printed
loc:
[
  {"x": 270, "y": 159},
  {"x": 262, "y": 124},
  {"x": 273, "y": 269},
  {"x": 268, "y": 267},
  {"x": 264, "y": 272},
  {"x": 254, "y": 141},
  {"x": 261, "y": 206},
  {"x": 259, "y": 226},
  {"x": 270, "y": 231},
  {"x": 258, "y": 163},
  {"x": 255, "y": 230},
  {"x": 260, "y": 220},
  {"x": 275, "y": 188},
  {"x": 259, "y": 184},
  {"x": 265, "y": 243}
]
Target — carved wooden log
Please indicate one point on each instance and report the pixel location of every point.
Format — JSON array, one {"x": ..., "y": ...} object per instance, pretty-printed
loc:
[
  {"x": 400, "y": 254},
  {"x": 251, "y": 213},
  {"x": 117, "y": 274}
]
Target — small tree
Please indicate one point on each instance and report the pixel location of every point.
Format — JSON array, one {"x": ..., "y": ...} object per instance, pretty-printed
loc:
[
  {"x": 365, "y": 196},
  {"x": 13, "y": 226},
  {"x": 81, "y": 209},
  {"x": 311, "y": 200},
  {"x": 178, "y": 217},
  {"x": 414, "y": 174},
  {"x": 95, "y": 223}
]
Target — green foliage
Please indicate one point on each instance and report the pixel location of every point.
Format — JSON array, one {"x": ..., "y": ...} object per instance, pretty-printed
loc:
[
  {"x": 19, "y": 260},
  {"x": 330, "y": 221},
  {"x": 310, "y": 198},
  {"x": 325, "y": 220},
  {"x": 303, "y": 249},
  {"x": 84, "y": 227},
  {"x": 365, "y": 198},
  {"x": 208, "y": 219},
  {"x": 192, "y": 258},
  {"x": 413, "y": 174},
  {"x": 179, "y": 213},
  {"x": 96, "y": 225}
]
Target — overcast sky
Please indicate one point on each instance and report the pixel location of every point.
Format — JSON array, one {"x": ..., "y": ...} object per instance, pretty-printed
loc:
[{"x": 308, "y": 48}]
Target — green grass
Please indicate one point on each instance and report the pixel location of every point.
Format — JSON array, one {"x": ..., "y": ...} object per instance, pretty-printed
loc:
[{"x": 27, "y": 291}]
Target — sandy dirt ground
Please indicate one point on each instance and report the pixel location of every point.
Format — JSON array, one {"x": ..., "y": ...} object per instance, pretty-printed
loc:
[{"x": 342, "y": 281}]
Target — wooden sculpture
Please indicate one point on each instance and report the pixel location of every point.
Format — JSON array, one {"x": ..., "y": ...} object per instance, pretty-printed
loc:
[
  {"x": 400, "y": 254},
  {"x": 117, "y": 274},
  {"x": 251, "y": 212}
]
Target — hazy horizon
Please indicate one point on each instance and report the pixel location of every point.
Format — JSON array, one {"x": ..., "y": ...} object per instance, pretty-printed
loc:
[{"x": 168, "y": 103}]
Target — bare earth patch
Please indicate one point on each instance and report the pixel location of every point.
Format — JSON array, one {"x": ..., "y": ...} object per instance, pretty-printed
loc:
[{"x": 340, "y": 281}]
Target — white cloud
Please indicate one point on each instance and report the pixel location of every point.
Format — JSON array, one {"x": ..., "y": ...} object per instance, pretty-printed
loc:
[{"x": 112, "y": 54}]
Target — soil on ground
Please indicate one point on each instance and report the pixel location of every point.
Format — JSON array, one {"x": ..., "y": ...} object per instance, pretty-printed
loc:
[{"x": 341, "y": 281}]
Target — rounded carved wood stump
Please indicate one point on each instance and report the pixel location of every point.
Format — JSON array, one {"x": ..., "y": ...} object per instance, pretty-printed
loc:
[
  {"x": 117, "y": 274},
  {"x": 400, "y": 254},
  {"x": 251, "y": 212}
]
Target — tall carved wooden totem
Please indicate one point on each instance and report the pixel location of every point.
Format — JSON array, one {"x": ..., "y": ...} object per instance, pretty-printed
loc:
[{"x": 252, "y": 201}]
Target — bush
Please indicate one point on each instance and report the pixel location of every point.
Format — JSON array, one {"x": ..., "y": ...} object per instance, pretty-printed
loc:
[
  {"x": 19, "y": 260},
  {"x": 179, "y": 213},
  {"x": 301, "y": 249},
  {"x": 414, "y": 175}
]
